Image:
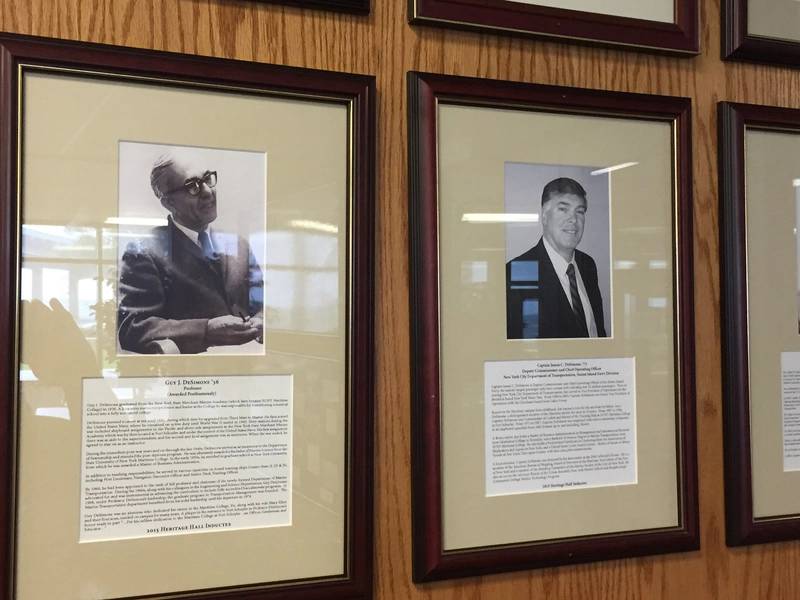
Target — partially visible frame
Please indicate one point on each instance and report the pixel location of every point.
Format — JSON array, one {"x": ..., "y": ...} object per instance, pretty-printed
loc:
[
  {"x": 438, "y": 422},
  {"x": 760, "y": 485},
  {"x": 769, "y": 45},
  {"x": 681, "y": 36},
  {"x": 351, "y": 6},
  {"x": 346, "y": 412}
]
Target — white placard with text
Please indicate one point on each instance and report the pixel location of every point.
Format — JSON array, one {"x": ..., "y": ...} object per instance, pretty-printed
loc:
[
  {"x": 179, "y": 455},
  {"x": 559, "y": 424}
]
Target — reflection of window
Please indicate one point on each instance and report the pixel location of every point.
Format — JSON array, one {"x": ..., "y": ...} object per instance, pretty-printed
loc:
[
  {"x": 522, "y": 304},
  {"x": 55, "y": 284},
  {"x": 26, "y": 284},
  {"x": 524, "y": 272},
  {"x": 474, "y": 271},
  {"x": 530, "y": 318},
  {"x": 77, "y": 265},
  {"x": 301, "y": 283},
  {"x": 66, "y": 263},
  {"x": 87, "y": 298}
]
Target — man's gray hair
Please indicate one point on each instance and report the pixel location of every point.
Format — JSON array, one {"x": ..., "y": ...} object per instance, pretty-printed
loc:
[{"x": 159, "y": 172}]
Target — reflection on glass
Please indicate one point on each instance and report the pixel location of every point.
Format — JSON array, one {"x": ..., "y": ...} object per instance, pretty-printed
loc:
[
  {"x": 59, "y": 240},
  {"x": 474, "y": 271},
  {"x": 26, "y": 284},
  {"x": 56, "y": 284},
  {"x": 530, "y": 318},
  {"x": 87, "y": 298},
  {"x": 524, "y": 272},
  {"x": 523, "y": 299},
  {"x": 66, "y": 263},
  {"x": 301, "y": 283}
]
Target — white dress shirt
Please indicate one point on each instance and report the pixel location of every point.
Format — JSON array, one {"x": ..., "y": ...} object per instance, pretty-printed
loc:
[
  {"x": 560, "y": 265},
  {"x": 194, "y": 235}
]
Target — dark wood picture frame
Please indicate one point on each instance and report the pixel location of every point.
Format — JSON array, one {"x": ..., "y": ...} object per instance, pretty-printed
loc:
[
  {"x": 430, "y": 560},
  {"x": 680, "y": 37},
  {"x": 18, "y": 54},
  {"x": 349, "y": 6},
  {"x": 742, "y": 527},
  {"x": 738, "y": 44}
]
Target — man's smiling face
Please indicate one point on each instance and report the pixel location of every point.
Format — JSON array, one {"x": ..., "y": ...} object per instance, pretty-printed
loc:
[
  {"x": 563, "y": 218},
  {"x": 192, "y": 211}
]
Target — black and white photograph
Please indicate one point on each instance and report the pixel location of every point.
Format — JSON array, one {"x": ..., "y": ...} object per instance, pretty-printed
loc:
[
  {"x": 558, "y": 255},
  {"x": 191, "y": 250}
]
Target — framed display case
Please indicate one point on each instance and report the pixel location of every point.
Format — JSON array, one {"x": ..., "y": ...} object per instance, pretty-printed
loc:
[
  {"x": 759, "y": 210},
  {"x": 553, "y": 417},
  {"x": 655, "y": 25},
  {"x": 187, "y": 300},
  {"x": 761, "y": 30}
]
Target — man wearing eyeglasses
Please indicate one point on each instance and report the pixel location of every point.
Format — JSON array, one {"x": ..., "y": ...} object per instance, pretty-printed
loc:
[{"x": 188, "y": 287}]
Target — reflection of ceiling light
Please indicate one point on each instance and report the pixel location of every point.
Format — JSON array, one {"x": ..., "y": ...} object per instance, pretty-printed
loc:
[
  {"x": 58, "y": 412},
  {"x": 150, "y": 222},
  {"x": 500, "y": 217},
  {"x": 614, "y": 168},
  {"x": 796, "y": 182},
  {"x": 624, "y": 265},
  {"x": 314, "y": 225},
  {"x": 658, "y": 264}
]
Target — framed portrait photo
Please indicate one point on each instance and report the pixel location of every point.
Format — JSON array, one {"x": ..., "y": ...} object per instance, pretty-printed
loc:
[
  {"x": 650, "y": 25},
  {"x": 187, "y": 274},
  {"x": 552, "y": 329},
  {"x": 760, "y": 212},
  {"x": 761, "y": 31}
]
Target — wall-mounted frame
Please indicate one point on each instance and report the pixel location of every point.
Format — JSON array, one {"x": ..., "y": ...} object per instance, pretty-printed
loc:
[
  {"x": 351, "y": 6},
  {"x": 514, "y": 466},
  {"x": 187, "y": 299},
  {"x": 759, "y": 210},
  {"x": 652, "y": 25},
  {"x": 761, "y": 31}
]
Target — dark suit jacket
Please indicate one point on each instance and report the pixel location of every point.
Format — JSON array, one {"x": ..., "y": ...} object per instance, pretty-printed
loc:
[
  {"x": 536, "y": 305},
  {"x": 168, "y": 290}
]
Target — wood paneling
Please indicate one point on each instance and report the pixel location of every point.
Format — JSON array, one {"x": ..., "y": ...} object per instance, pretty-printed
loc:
[{"x": 383, "y": 44}]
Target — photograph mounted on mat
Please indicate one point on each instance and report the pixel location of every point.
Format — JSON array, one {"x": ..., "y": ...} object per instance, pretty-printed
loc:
[
  {"x": 760, "y": 269},
  {"x": 761, "y": 31},
  {"x": 650, "y": 25},
  {"x": 188, "y": 272},
  {"x": 552, "y": 326}
]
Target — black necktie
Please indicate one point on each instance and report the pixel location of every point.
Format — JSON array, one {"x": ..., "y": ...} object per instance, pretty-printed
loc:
[
  {"x": 206, "y": 246},
  {"x": 209, "y": 254},
  {"x": 577, "y": 305}
]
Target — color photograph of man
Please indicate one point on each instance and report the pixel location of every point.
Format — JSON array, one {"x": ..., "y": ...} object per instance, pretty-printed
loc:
[
  {"x": 188, "y": 286},
  {"x": 552, "y": 289}
]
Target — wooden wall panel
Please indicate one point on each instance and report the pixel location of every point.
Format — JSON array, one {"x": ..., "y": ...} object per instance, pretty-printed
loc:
[{"x": 385, "y": 45}]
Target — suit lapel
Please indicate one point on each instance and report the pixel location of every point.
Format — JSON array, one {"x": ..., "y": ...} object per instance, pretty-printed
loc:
[
  {"x": 564, "y": 318},
  {"x": 589, "y": 276},
  {"x": 561, "y": 313},
  {"x": 227, "y": 257}
]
